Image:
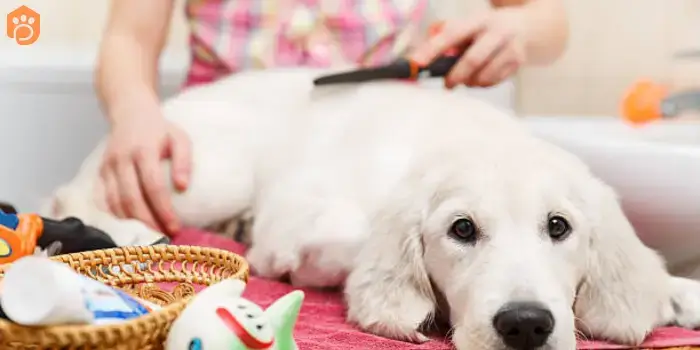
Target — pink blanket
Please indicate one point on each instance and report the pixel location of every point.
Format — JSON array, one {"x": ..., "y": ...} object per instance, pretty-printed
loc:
[{"x": 321, "y": 325}]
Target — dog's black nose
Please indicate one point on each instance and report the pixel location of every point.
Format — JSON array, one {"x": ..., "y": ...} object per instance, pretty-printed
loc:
[{"x": 524, "y": 325}]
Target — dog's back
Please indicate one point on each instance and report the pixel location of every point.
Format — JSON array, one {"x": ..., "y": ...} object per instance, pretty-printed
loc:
[
  {"x": 255, "y": 130},
  {"x": 280, "y": 111}
]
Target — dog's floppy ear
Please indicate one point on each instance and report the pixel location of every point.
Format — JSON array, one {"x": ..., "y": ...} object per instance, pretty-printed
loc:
[
  {"x": 624, "y": 292},
  {"x": 389, "y": 291}
]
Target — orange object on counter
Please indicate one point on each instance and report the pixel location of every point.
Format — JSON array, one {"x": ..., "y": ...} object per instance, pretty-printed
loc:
[
  {"x": 22, "y": 241},
  {"x": 642, "y": 102}
]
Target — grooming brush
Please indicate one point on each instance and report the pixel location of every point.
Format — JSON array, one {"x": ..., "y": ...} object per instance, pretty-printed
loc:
[{"x": 402, "y": 68}]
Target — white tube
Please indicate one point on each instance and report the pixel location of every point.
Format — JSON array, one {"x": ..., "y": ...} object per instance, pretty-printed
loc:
[{"x": 39, "y": 292}]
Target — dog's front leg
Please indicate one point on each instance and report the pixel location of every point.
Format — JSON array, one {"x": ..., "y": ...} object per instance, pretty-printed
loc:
[{"x": 685, "y": 303}]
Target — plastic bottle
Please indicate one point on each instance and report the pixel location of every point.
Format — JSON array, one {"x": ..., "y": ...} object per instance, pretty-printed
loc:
[{"x": 37, "y": 291}]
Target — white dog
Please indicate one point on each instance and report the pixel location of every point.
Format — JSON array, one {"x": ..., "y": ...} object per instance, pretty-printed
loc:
[{"x": 417, "y": 200}]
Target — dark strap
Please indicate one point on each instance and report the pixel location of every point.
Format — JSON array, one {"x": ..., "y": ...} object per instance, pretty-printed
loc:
[{"x": 74, "y": 236}]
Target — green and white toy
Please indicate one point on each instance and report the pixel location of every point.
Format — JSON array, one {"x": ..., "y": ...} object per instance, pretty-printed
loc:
[{"x": 218, "y": 318}]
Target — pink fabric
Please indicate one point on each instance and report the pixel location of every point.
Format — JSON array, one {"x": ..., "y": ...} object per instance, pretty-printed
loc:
[
  {"x": 322, "y": 325},
  {"x": 231, "y": 35}
]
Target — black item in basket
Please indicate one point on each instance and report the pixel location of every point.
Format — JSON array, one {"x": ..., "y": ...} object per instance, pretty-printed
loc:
[{"x": 74, "y": 236}]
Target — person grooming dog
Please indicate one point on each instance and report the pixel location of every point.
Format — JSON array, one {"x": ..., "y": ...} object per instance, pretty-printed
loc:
[{"x": 227, "y": 36}]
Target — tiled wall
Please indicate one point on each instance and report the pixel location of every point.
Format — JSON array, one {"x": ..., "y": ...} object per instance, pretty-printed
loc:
[{"x": 613, "y": 43}]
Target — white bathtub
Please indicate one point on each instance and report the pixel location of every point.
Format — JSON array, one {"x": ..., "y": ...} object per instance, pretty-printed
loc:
[{"x": 655, "y": 169}]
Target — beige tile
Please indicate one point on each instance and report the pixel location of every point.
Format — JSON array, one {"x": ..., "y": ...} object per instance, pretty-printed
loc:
[{"x": 613, "y": 44}]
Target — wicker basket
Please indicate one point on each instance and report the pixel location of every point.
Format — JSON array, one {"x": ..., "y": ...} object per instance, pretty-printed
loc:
[{"x": 136, "y": 270}]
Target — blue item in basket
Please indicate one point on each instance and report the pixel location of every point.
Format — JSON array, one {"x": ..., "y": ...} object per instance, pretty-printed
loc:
[{"x": 10, "y": 221}]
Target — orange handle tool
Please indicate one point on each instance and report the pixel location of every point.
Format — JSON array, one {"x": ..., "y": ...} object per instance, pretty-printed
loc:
[{"x": 642, "y": 102}]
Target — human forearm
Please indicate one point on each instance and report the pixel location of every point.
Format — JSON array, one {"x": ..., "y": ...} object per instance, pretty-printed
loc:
[
  {"x": 127, "y": 69},
  {"x": 125, "y": 72},
  {"x": 545, "y": 28}
]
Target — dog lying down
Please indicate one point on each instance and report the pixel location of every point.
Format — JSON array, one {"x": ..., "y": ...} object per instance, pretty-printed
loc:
[{"x": 418, "y": 200}]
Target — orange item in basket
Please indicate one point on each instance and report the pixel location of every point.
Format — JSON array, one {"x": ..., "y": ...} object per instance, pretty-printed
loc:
[
  {"x": 21, "y": 241},
  {"x": 642, "y": 102}
]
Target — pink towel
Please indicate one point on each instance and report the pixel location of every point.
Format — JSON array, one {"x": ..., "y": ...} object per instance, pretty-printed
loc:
[{"x": 322, "y": 326}]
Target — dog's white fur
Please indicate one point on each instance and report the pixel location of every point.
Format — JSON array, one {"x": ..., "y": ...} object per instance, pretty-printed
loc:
[{"x": 366, "y": 180}]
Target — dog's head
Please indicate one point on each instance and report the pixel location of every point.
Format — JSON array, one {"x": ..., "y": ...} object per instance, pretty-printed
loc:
[{"x": 524, "y": 252}]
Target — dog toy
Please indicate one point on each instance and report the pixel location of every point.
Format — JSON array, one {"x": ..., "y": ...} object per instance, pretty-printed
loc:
[{"x": 218, "y": 318}]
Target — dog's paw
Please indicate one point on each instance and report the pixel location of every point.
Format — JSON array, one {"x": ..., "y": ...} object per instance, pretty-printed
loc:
[
  {"x": 397, "y": 315},
  {"x": 404, "y": 330},
  {"x": 685, "y": 302},
  {"x": 272, "y": 263},
  {"x": 625, "y": 331}
]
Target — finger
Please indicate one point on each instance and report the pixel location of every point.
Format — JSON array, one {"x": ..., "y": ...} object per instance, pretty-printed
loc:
[
  {"x": 497, "y": 75},
  {"x": 150, "y": 172},
  {"x": 478, "y": 55},
  {"x": 181, "y": 156},
  {"x": 508, "y": 72},
  {"x": 131, "y": 197},
  {"x": 499, "y": 68},
  {"x": 452, "y": 35},
  {"x": 111, "y": 192}
]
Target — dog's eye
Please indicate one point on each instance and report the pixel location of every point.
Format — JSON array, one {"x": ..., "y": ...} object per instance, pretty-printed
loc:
[
  {"x": 463, "y": 230},
  {"x": 558, "y": 228}
]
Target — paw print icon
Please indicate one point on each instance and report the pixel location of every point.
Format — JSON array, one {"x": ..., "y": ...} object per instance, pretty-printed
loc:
[{"x": 23, "y": 25}]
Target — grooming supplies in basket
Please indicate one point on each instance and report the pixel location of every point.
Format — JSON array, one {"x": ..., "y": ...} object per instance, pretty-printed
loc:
[
  {"x": 37, "y": 291},
  {"x": 7, "y": 208},
  {"x": 74, "y": 235},
  {"x": 172, "y": 276},
  {"x": 22, "y": 234},
  {"x": 53, "y": 249},
  {"x": 218, "y": 318},
  {"x": 19, "y": 234}
]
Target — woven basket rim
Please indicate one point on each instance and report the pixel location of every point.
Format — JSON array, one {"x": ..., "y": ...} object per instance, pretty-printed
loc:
[{"x": 159, "y": 254}]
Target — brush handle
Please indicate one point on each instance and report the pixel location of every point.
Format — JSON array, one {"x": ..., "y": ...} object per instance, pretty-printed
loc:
[{"x": 442, "y": 65}]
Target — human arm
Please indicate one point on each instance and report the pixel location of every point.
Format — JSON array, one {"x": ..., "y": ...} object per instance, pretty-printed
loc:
[
  {"x": 140, "y": 138},
  {"x": 127, "y": 67},
  {"x": 546, "y": 30},
  {"x": 500, "y": 40}
]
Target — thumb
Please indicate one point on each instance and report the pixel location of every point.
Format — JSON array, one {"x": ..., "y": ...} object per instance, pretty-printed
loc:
[{"x": 181, "y": 160}]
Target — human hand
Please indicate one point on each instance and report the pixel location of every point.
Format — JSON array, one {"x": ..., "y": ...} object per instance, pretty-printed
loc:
[
  {"x": 132, "y": 173},
  {"x": 495, "y": 47}
]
